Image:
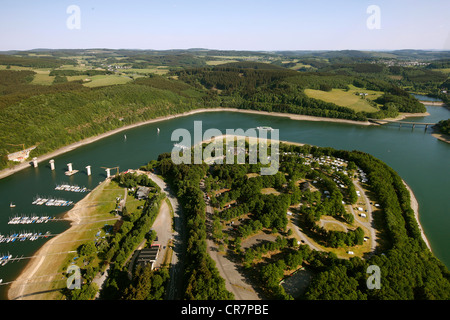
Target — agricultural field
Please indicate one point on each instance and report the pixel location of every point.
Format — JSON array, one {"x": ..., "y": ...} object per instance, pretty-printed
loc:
[
  {"x": 161, "y": 70},
  {"x": 219, "y": 62},
  {"x": 106, "y": 80},
  {"x": 347, "y": 98},
  {"x": 42, "y": 77}
]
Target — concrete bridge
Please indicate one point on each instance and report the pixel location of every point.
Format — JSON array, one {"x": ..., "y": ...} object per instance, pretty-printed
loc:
[{"x": 400, "y": 123}]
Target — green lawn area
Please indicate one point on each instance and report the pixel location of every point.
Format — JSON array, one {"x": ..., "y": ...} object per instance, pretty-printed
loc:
[
  {"x": 346, "y": 98},
  {"x": 158, "y": 70},
  {"x": 105, "y": 198},
  {"x": 218, "y": 62},
  {"x": 42, "y": 77},
  {"x": 106, "y": 80},
  {"x": 444, "y": 70}
]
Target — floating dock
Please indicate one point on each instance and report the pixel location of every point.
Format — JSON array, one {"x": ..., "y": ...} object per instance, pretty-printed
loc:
[
  {"x": 32, "y": 236},
  {"x": 52, "y": 202},
  {"x": 30, "y": 219},
  {"x": 71, "y": 172},
  {"x": 5, "y": 258},
  {"x": 68, "y": 187}
]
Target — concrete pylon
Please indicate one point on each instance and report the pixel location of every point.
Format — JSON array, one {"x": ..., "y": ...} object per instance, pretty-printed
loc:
[
  {"x": 69, "y": 167},
  {"x": 52, "y": 164},
  {"x": 108, "y": 173},
  {"x": 88, "y": 168},
  {"x": 35, "y": 164}
]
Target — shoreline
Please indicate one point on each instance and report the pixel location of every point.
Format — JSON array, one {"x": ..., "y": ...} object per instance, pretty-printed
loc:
[
  {"x": 75, "y": 215},
  {"x": 441, "y": 137},
  {"x": 9, "y": 171},
  {"x": 415, "y": 207}
]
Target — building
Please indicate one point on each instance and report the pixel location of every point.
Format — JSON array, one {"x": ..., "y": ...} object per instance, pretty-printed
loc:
[
  {"x": 142, "y": 193},
  {"x": 148, "y": 255},
  {"x": 20, "y": 156}
]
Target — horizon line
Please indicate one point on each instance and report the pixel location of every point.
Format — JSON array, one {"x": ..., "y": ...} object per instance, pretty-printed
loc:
[{"x": 213, "y": 49}]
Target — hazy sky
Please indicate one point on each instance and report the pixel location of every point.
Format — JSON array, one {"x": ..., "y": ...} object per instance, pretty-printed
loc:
[{"x": 230, "y": 24}]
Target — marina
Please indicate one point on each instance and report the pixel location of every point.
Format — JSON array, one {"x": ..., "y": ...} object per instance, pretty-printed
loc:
[
  {"x": 51, "y": 202},
  {"x": 31, "y": 236},
  {"x": 68, "y": 187},
  {"x": 30, "y": 219},
  {"x": 4, "y": 259}
]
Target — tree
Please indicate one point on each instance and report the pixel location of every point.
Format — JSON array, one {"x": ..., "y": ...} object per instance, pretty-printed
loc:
[{"x": 87, "y": 249}]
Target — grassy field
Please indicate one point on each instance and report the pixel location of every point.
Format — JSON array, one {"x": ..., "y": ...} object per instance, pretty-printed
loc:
[
  {"x": 269, "y": 191},
  {"x": 42, "y": 77},
  {"x": 219, "y": 62},
  {"x": 346, "y": 98},
  {"x": 444, "y": 70},
  {"x": 161, "y": 70},
  {"x": 106, "y": 80}
]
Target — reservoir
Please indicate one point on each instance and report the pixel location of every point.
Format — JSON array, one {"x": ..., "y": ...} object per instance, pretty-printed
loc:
[{"x": 418, "y": 157}]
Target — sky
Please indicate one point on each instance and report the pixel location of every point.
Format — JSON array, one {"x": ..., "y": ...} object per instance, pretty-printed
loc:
[{"x": 225, "y": 25}]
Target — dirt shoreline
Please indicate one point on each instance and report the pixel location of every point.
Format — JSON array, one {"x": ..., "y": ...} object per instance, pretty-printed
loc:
[
  {"x": 415, "y": 207},
  {"x": 23, "y": 284},
  {"x": 442, "y": 137}
]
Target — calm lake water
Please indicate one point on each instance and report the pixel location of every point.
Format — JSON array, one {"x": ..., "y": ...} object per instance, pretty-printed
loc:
[{"x": 420, "y": 159}]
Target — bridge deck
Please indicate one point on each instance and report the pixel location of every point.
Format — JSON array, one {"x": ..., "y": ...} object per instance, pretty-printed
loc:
[{"x": 403, "y": 122}]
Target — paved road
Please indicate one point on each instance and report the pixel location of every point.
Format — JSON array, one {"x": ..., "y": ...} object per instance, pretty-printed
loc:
[{"x": 163, "y": 228}]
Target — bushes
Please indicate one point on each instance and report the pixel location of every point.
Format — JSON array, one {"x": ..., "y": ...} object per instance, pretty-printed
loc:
[{"x": 444, "y": 126}]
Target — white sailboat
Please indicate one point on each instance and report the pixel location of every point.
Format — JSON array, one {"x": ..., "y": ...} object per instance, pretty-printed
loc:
[{"x": 12, "y": 205}]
